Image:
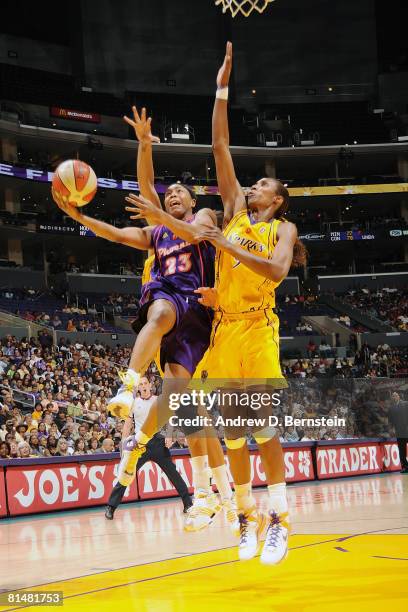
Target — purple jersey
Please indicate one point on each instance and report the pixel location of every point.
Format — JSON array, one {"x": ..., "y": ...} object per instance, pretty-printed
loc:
[{"x": 180, "y": 265}]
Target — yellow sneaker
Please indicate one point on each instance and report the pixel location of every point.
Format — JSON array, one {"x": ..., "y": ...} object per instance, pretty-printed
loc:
[
  {"x": 120, "y": 406},
  {"x": 203, "y": 511}
]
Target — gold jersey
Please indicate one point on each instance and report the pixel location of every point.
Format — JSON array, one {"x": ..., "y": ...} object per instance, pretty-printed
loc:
[
  {"x": 240, "y": 290},
  {"x": 147, "y": 269}
]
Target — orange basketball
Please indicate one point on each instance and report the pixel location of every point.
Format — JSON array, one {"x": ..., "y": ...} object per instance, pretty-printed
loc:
[{"x": 74, "y": 182}]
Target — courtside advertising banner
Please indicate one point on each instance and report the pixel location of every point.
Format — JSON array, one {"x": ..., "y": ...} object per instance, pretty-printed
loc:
[
  {"x": 153, "y": 482},
  {"x": 45, "y": 488},
  {"x": 354, "y": 459},
  {"x": 3, "y": 506}
]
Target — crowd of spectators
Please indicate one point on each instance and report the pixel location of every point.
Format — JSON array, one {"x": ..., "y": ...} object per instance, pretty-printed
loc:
[
  {"x": 388, "y": 304},
  {"x": 53, "y": 400}
]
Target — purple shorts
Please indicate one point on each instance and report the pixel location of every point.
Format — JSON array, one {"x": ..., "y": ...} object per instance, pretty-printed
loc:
[{"x": 187, "y": 342}]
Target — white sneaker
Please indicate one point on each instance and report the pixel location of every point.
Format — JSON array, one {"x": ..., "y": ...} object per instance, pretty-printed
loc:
[
  {"x": 121, "y": 405},
  {"x": 231, "y": 516},
  {"x": 251, "y": 526},
  {"x": 275, "y": 548},
  {"x": 203, "y": 511}
]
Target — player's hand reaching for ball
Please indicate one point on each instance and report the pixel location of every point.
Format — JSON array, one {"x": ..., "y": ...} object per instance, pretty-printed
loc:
[
  {"x": 224, "y": 72},
  {"x": 142, "y": 126},
  {"x": 66, "y": 207},
  {"x": 209, "y": 296},
  {"x": 142, "y": 208}
]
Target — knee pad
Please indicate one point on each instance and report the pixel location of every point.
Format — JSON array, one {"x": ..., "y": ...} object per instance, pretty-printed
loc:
[
  {"x": 235, "y": 444},
  {"x": 264, "y": 435}
]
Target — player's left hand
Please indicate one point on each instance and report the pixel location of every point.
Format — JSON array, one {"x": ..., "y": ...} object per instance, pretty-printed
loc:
[
  {"x": 209, "y": 296},
  {"x": 143, "y": 208},
  {"x": 142, "y": 126}
]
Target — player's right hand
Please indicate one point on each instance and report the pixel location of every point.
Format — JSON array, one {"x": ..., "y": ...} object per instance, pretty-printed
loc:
[
  {"x": 66, "y": 207},
  {"x": 224, "y": 72},
  {"x": 208, "y": 296},
  {"x": 142, "y": 126}
]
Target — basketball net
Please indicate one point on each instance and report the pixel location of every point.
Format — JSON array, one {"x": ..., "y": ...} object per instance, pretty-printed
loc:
[{"x": 245, "y": 7}]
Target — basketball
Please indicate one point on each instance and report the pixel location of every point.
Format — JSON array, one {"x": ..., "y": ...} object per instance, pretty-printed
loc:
[{"x": 74, "y": 182}]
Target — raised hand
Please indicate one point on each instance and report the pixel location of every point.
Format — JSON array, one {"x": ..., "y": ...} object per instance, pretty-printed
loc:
[
  {"x": 142, "y": 126},
  {"x": 142, "y": 208},
  {"x": 208, "y": 296},
  {"x": 224, "y": 72}
]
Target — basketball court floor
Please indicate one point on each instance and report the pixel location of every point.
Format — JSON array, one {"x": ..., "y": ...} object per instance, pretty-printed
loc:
[{"x": 348, "y": 551}]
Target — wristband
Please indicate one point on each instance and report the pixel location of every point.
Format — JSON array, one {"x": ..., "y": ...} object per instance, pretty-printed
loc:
[{"x": 222, "y": 93}]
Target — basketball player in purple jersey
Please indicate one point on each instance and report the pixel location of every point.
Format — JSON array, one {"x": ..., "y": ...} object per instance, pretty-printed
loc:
[{"x": 171, "y": 317}]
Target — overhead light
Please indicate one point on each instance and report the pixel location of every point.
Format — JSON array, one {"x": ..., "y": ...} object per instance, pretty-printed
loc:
[
  {"x": 355, "y": 142},
  {"x": 254, "y": 91}
]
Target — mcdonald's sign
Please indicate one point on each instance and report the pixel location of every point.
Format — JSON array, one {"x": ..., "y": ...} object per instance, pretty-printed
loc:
[{"x": 74, "y": 115}]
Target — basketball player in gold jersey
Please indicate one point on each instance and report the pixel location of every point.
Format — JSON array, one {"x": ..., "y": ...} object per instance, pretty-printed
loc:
[{"x": 254, "y": 254}]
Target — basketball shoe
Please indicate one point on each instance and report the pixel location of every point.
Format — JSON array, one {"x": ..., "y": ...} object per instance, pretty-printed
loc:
[
  {"x": 275, "y": 548},
  {"x": 231, "y": 516},
  {"x": 121, "y": 405},
  {"x": 203, "y": 511},
  {"x": 251, "y": 528}
]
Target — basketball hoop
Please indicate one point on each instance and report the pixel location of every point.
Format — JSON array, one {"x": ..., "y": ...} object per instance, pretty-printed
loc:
[{"x": 245, "y": 7}]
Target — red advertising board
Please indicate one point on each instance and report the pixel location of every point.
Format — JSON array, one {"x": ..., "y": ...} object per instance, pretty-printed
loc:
[
  {"x": 45, "y": 488},
  {"x": 74, "y": 115},
  {"x": 153, "y": 483},
  {"x": 3, "y": 505},
  {"x": 391, "y": 462},
  {"x": 348, "y": 460}
]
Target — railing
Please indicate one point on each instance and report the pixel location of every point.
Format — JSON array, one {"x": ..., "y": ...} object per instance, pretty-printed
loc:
[
  {"x": 20, "y": 397},
  {"x": 32, "y": 328}
]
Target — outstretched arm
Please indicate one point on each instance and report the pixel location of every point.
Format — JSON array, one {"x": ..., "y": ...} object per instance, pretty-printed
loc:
[
  {"x": 274, "y": 269},
  {"x": 136, "y": 237},
  {"x": 145, "y": 170},
  {"x": 191, "y": 232},
  {"x": 231, "y": 191}
]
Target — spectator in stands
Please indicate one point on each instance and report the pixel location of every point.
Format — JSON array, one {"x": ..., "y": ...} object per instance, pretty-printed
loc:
[
  {"x": 4, "y": 450},
  {"x": 62, "y": 447},
  {"x": 34, "y": 443},
  {"x": 324, "y": 348},
  {"x": 108, "y": 446},
  {"x": 80, "y": 447},
  {"x": 94, "y": 446},
  {"x": 71, "y": 326},
  {"x": 24, "y": 450}
]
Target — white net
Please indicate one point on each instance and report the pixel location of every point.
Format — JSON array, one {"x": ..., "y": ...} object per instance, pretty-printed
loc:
[{"x": 245, "y": 7}]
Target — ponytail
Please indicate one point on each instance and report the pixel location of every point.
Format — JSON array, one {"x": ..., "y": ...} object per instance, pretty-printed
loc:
[{"x": 300, "y": 253}]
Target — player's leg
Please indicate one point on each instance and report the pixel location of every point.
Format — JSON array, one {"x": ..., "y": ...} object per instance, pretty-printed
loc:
[
  {"x": 276, "y": 541},
  {"x": 168, "y": 467},
  {"x": 216, "y": 460},
  {"x": 119, "y": 489},
  {"x": 161, "y": 318},
  {"x": 114, "y": 500},
  {"x": 251, "y": 522}
]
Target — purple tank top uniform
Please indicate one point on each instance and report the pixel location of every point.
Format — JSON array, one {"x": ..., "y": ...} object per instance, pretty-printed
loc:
[{"x": 179, "y": 269}]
